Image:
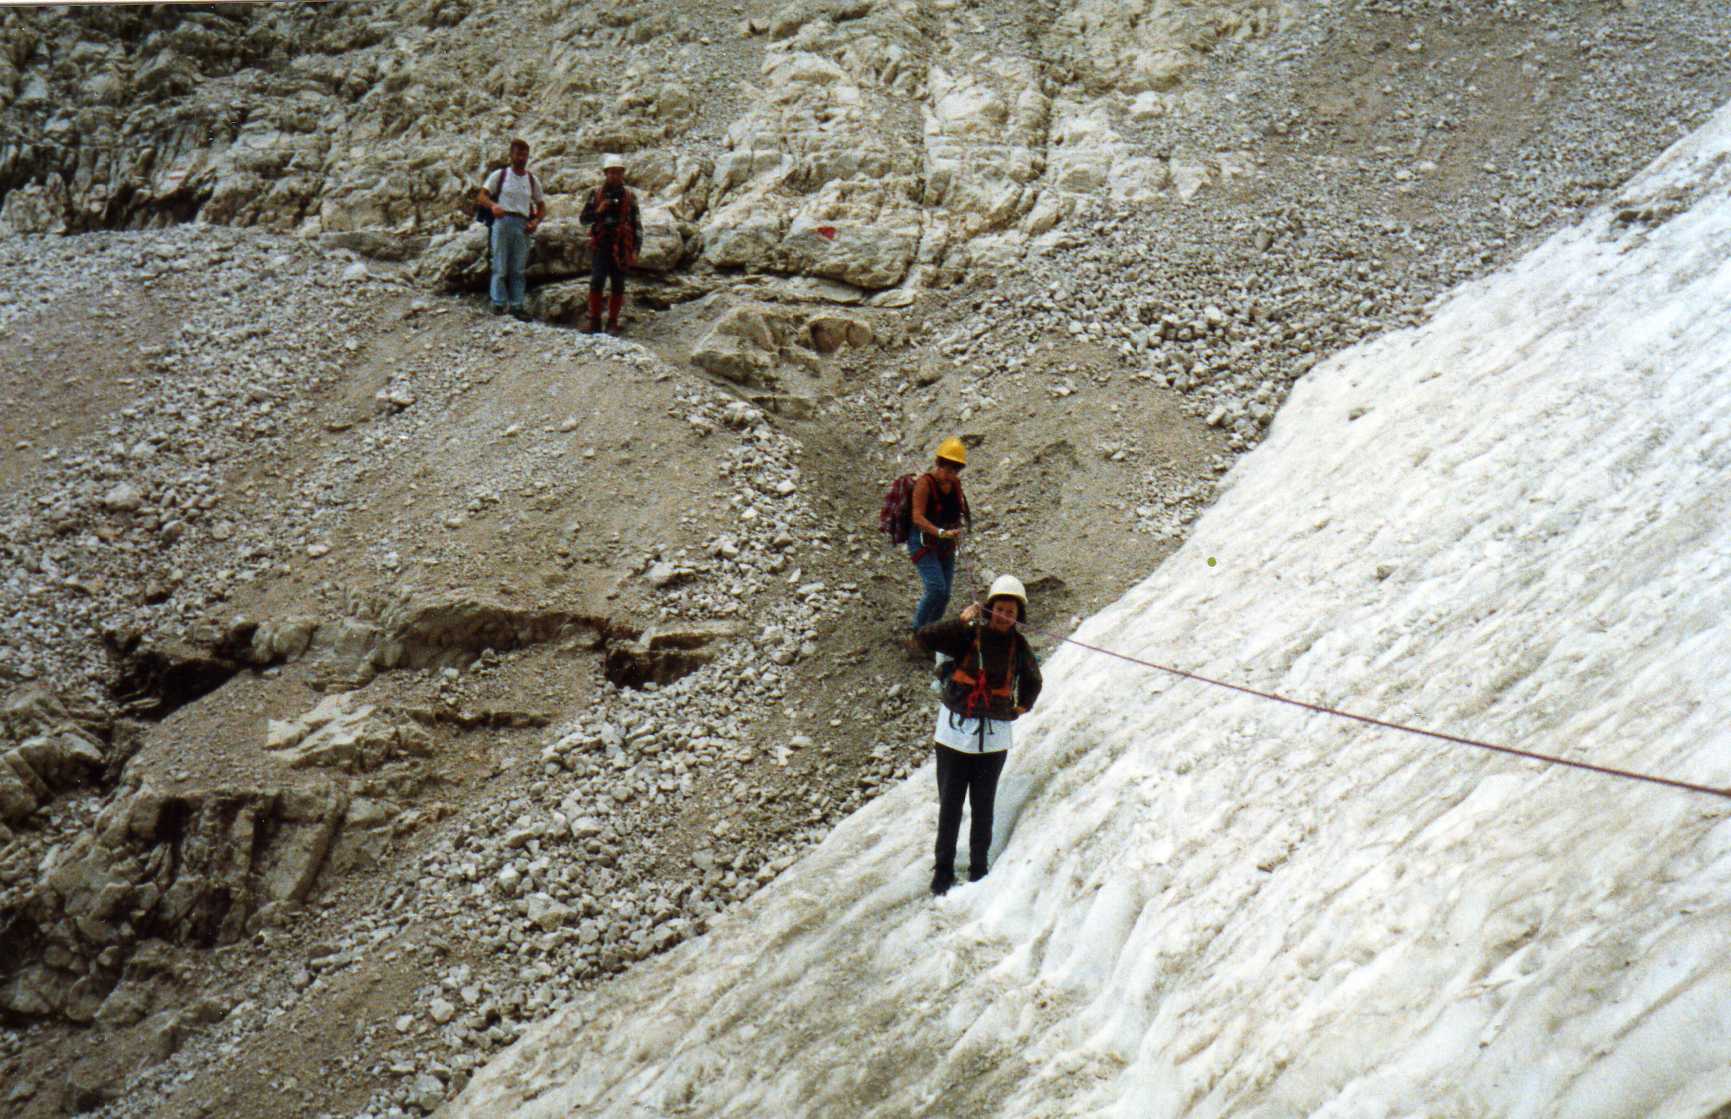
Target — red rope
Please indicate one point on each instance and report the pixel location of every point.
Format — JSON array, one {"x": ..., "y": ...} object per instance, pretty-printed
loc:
[{"x": 1548, "y": 759}]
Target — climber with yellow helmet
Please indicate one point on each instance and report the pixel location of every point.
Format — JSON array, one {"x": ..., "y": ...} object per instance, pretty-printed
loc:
[{"x": 938, "y": 511}]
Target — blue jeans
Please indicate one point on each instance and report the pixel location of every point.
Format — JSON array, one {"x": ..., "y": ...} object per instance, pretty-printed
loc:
[
  {"x": 937, "y": 570},
  {"x": 510, "y": 258}
]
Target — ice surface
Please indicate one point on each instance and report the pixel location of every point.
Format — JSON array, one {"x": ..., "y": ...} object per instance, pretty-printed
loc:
[{"x": 1215, "y": 906}]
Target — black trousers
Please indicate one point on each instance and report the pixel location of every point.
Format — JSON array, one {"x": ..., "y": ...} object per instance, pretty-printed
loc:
[
  {"x": 605, "y": 268},
  {"x": 973, "y": 777}
]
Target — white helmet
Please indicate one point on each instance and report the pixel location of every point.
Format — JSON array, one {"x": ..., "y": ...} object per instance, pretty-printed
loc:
[
  {"x": 609, "y": 162},
  {"x": 1008, "y": 586}
]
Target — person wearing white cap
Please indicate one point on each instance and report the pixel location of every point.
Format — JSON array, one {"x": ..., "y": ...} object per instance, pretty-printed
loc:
[
  {"x": 993, "y": 680},
  {"x": 615, "y": 235}
]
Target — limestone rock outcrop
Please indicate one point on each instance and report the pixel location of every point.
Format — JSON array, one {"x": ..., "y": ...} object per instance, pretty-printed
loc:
[
  {"x": 32, "y": 772},
  {"x": 867, "y": 148},
  {"x": 194, "y": 868},
  {"x": 749, "y": 342},
  {"x": 343, "y": 733},
  {"x": 44, "y": 751}
]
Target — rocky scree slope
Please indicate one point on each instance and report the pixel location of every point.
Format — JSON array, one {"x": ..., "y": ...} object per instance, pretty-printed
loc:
[
  {"x": 1507, "y": 523},
  {"x": 328, "y": 569}
]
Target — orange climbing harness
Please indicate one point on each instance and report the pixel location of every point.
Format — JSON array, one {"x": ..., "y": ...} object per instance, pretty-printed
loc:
[{"x": 977, "y": 703}]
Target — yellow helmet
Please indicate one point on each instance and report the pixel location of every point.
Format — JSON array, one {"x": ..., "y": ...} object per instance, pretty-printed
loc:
[{"x": 954, "y": 450}]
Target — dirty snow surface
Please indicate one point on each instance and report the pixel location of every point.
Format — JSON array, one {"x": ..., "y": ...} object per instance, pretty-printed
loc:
[{"x": 1510, "y": 524}]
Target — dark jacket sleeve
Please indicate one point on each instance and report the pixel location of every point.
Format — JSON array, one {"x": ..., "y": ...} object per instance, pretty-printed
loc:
[
  {"x": 952, "y": 638},
  {"x": 1028, "y": 681},
  {"x": 636, "y": 222},
  {"x": 590, "y": 217}
]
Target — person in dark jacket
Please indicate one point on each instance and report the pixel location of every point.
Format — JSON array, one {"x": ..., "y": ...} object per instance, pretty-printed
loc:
[
  {"x": 994, "y": 681},
  {"x": 615, "y": 236},
  {"x": 938, "y": 511}
]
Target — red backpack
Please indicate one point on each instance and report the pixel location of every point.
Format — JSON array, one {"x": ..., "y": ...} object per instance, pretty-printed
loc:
[{"x": 896, "y": 518}]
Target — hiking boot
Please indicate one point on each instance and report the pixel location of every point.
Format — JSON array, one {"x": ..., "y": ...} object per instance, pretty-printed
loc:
[
  {"x": 498, "y": 308},
  {"x": 915, "y": 651},
  {"x": 942, "y": 880},
  {"x": 519, "y": 314},
  {"x": 615, "y": 304},
  {"x": 975, "y": 875}
]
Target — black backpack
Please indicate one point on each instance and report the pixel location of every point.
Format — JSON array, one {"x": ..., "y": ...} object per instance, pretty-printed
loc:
[{"x": 484, "y": 215}]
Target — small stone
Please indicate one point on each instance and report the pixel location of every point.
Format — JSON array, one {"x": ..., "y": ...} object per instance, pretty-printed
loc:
[
  {"x": 441, "y": 1011},
  {"x": 665, "y": 574},
  {"x": 123, "y": 498},
  {"x": 426, "y": 1093},
  {"x": 318, "y": 551},
  {"x": 548, "y": 914}
]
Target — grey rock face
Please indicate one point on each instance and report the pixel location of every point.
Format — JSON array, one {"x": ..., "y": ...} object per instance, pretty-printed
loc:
[
  {"x": 337, "y": 123},
  {"x": 198, "y": 869}
]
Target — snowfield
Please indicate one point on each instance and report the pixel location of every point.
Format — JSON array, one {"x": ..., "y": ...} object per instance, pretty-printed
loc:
[{"x": 1513, "y": 524}]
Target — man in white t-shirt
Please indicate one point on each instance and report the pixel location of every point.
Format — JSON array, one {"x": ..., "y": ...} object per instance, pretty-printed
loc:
[{"x": 513, "y": 196}]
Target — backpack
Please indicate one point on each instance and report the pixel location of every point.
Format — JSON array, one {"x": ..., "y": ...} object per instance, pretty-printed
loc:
[
  {"x": 896, "y": 518},
  {"x": 484, "y": 215}
]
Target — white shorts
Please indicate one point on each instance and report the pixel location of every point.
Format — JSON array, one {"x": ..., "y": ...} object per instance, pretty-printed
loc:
[{"x": 964, "y": 734}]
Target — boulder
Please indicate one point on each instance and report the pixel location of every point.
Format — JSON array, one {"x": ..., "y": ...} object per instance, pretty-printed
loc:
[
  {"x": 342, "y": 733},
  {"x": 870, "y": 245},
  {"x": 35, "y": 771},
  {"x": 829, "y": 333},
  {"x": 740, "y": 347}
]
